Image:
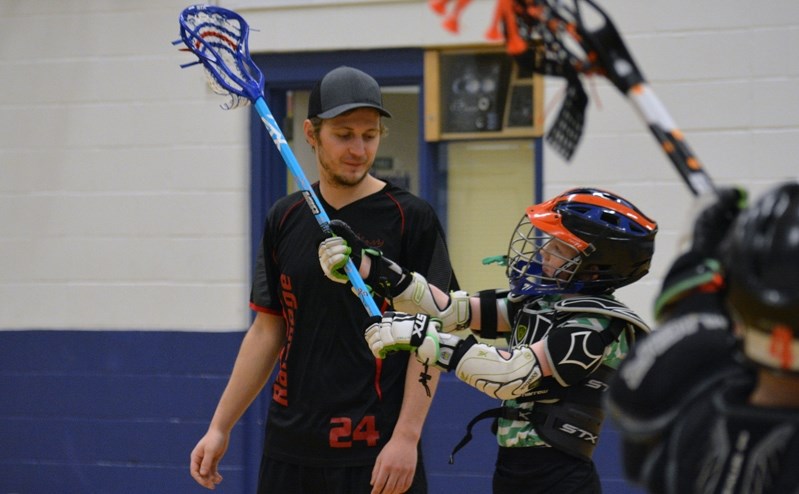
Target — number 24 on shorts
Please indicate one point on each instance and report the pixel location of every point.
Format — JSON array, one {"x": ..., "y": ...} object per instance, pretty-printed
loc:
[{"x": 343, "y": 434}]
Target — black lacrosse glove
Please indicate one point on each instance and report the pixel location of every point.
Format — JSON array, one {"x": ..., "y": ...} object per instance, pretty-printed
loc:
[
  {"x": 357, "y": 246},
  {"x": 694, "y": 281},
  {"x": 385, "y": 277},
  {"x": 713, "y": 222}
]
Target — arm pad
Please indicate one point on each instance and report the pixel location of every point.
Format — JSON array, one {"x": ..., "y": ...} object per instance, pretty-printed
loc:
[
  {"x": 493, "y": 305},
  {"x": 417, "y": 297},
  {"x": 485, "y": 369}
]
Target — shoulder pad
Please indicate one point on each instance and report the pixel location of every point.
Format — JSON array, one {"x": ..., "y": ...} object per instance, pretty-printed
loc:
[{"x": 604, "y": 306}]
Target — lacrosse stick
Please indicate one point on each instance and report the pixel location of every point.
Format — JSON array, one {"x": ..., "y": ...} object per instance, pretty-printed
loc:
[
  {"x": 219, "y": 39},
  {"x": 572, "y": 47}
]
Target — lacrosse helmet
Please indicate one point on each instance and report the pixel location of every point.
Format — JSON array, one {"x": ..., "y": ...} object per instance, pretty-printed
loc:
[
  {"x": 585, "y": 240},
  {"x": 759, "y": 257}
]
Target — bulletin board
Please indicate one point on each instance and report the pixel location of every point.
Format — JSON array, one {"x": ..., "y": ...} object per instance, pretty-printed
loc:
[{"x": 478, "y": 93}]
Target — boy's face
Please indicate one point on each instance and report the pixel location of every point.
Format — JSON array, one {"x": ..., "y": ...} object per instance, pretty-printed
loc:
[{"x": 553, "y": 256}]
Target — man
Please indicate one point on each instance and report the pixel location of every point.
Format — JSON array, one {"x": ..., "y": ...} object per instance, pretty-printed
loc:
[
  {"x": 340, "y": 421},
  {"x": 567, "y": 332},
  {"x": 709, "y": 402}
]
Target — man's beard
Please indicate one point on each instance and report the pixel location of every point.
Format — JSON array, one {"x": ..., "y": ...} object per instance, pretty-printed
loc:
[{"x": 343, "y": 180}]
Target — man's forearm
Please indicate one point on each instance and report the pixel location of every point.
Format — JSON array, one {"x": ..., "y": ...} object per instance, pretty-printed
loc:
[
  {"x": 416, "y": 402},
  {"x": 252, "y": 368}
]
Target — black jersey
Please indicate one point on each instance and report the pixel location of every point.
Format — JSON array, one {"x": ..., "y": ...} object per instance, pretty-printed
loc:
[
  {"x": 333, "y": 403},
  {"x": 680, "y": 400}
]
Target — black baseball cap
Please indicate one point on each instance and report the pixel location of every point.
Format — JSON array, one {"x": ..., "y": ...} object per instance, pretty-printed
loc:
[{"x": 343, "y": 89}]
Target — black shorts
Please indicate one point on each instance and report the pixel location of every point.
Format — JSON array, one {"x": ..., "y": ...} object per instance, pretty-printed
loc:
[
  {"x": 278, "y": 477},
  {"x": 543, "y": 470}
]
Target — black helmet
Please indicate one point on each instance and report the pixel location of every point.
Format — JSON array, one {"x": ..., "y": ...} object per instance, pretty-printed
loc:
[
  {"x": 599, "y": 241},
  {"x": 761, "y": 263}
]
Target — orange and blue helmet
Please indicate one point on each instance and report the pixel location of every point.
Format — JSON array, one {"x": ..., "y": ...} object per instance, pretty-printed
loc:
[{"x": 585, "y": 240}]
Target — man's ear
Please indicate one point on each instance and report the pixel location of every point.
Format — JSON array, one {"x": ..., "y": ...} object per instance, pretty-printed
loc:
[{"x": 310, "y": 137}]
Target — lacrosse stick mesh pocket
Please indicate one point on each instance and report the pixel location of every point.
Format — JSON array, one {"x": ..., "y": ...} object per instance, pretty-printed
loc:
[
  {"x": 565, "y": 133},
  {"x": 218, "y": 41}
]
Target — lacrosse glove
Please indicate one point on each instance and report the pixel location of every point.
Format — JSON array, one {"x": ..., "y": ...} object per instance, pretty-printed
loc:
[
  {"x": 385, "y": 277},
  {"x": 698, "y": 271}
]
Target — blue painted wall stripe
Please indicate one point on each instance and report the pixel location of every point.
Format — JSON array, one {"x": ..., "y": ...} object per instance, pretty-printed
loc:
[{"x": 120, "y": 411}]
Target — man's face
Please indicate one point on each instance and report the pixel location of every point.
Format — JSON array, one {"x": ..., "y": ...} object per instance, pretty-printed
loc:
[{"x": 346, "y": 146}]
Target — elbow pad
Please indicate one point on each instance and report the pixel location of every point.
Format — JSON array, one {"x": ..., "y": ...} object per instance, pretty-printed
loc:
[
  {"x": 485, "y": 369},
  {"x": 417, "y": 297}
]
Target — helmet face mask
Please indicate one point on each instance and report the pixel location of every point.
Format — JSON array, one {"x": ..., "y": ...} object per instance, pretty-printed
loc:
[
  {"x": 582, "y": 241},
  {"x": 539, "y": 263}
]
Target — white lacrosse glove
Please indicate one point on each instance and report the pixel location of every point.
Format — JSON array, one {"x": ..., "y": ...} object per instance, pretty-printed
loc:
[
  {"x": 397, "y": 331},
  {"x": 333, "y": 256}
]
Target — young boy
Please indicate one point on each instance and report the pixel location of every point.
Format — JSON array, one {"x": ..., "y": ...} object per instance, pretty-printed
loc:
[{"x": 567, "y": 332}]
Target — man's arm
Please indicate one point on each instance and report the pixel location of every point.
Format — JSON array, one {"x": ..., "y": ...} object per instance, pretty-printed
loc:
[
  {"x": 254, "y": 364},
  {"x": 396, "y": 464}
]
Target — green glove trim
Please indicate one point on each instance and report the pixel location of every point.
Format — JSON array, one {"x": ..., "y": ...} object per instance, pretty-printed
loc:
[
  {"x": 703, "y": 274},
  {"x": 338, "y": 270},
  {"x": 397, "y": 347}
]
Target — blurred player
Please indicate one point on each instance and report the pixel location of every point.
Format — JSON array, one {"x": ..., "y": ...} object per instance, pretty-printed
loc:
[{"x": 709, "y": 402}]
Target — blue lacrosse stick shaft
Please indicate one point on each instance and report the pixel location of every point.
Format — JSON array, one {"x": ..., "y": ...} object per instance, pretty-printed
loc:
[{"x": 310, "y": 197}]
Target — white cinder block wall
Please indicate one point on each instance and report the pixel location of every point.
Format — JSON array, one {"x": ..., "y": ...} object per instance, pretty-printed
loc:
[{"x": 124, "y": 188}]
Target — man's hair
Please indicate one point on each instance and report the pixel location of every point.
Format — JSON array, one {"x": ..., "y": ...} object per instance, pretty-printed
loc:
[{"x": 316, "y": 122}]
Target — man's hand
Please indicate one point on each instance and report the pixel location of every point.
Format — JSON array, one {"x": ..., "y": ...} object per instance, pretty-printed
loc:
[
  {"x": 334, "y": 252},
  {"x": 397, "y": 331},
  {"x": 333, "y": 256},
  {"x": 395, "y": 467},
  {"x": 205, "y": 459}
]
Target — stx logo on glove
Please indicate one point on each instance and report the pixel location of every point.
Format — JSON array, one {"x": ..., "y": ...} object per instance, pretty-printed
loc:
[{"x": 419, "y": 327}]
